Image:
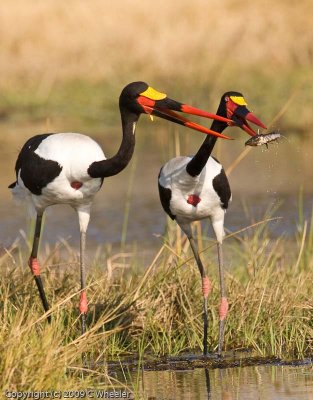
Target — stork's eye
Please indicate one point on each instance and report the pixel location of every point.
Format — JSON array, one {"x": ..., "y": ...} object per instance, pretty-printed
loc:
[{"x": 226, "y": 98}]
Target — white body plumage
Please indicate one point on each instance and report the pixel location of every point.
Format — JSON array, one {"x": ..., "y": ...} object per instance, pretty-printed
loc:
[
  {"x": 186, "y": 189},
  {"x": 74, "y": 153}
]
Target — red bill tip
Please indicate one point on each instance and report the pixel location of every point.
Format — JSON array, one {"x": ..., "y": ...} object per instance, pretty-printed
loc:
[{"x": 252, "y": 118}]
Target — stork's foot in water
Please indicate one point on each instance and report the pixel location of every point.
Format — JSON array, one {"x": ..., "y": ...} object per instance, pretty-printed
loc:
[{"x": 205, "y": 326}]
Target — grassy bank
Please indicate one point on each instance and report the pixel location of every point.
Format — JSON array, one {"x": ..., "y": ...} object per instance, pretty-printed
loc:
[{"x": 156, "y": 309}]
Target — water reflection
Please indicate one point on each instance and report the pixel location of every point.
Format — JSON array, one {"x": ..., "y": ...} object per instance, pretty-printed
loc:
[
  {"x": 207, "y": 382},
  {"x": 248, "y": 383}
]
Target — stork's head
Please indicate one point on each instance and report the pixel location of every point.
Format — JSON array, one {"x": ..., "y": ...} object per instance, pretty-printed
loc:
[
  {"x": 140, "y": 98},
  {"x": 234, "y": 106}
]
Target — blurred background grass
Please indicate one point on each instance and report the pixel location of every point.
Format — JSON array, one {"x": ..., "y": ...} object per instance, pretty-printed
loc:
[{"x": 76, "y": 56}]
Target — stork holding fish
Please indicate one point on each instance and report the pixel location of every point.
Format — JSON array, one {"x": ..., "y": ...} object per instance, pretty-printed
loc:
[{"x": 195, "y": 188}]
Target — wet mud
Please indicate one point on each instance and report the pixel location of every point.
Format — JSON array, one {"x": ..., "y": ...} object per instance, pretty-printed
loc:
[{"x": 211, "y": 361}]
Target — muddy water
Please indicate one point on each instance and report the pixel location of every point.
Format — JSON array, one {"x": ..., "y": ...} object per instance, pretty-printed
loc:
[
  {"x": 248, "y": 383},
  {"x": 263, "y": 180}
]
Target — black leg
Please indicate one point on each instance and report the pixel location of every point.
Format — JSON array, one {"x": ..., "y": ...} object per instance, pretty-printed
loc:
[
  {"x": 207, "y": 382},
  {"x": 34, "y": 265},
  {"x": 206, "y": 287}
]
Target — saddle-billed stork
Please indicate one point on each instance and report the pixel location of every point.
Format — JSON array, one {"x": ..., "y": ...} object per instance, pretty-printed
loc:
[
  {"x": 69, "y": 168},
  {"x": 194, "y": 188}
]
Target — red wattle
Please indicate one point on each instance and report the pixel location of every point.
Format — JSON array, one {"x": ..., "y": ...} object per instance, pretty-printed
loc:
[
  {"x": 193, "y": 199},
  {"x": 76, "y": 185}
]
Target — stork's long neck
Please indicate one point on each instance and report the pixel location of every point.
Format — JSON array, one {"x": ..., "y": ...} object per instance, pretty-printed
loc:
[
  {"x": 115, "y": 164},
  {"x": 199, "y": 160}
]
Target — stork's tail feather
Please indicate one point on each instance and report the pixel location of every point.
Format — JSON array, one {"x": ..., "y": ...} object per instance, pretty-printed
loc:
[
  {"x": 12, "y": 186},
  {"x": 22, "y": 198},
  {"x": 18, "y": 193}
]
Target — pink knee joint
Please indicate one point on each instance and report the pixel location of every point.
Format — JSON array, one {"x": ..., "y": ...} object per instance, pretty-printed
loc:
[
  {"x": 223, "y": 308},
  {"x": 206, "y": 286},
  {"x": 34, "y": 266},
  {"x": 83, "y": 304}
]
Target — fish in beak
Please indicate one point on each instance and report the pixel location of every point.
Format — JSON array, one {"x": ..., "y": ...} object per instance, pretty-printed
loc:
[
  {"x": 237, "y": 111},
  {"x": 156, "y": 103}
]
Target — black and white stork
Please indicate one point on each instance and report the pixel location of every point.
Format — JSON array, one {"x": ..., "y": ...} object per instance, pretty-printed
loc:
[
  {"x": 69, "y": 168},
  {"x": 195, "y": 188}
]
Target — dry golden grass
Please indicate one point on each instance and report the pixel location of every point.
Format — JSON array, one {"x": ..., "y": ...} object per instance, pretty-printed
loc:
[{"x": 50, "y": 41}]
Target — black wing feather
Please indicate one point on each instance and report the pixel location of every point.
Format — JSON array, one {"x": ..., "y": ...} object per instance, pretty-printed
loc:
[{"x": 36, "y": 172}]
